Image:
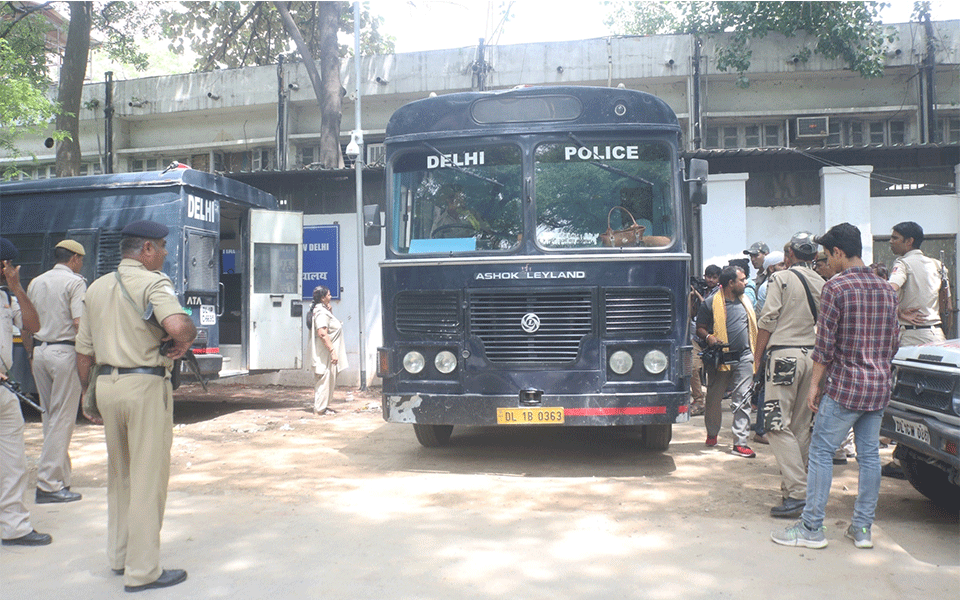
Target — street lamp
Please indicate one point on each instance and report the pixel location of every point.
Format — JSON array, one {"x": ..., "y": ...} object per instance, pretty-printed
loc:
[{"x": 355, "y": 151}]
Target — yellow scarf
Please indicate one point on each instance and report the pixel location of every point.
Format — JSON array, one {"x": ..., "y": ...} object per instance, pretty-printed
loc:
[{"x": 720, "y": 322}]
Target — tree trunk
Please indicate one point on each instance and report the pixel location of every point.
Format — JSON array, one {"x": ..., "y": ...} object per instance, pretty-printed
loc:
[
  {"x": 71, "y": 88},
  {"x": 331, "y": 99}
]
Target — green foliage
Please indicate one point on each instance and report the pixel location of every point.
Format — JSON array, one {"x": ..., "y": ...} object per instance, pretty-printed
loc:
[
  {"x": 24, "y": 107},
  {"x": 227, "y": 35},
  {"x": 851, "y": 31}
]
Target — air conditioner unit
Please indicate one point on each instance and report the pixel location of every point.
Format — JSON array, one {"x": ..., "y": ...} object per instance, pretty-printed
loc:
[{"x": 812, "y": 127}]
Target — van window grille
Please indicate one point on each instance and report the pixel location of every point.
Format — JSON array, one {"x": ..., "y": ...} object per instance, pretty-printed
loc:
[{"x": 933, "y": 391}]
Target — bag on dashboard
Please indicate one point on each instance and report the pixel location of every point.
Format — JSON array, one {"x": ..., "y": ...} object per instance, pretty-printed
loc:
[{"x": 627, "y": 237}]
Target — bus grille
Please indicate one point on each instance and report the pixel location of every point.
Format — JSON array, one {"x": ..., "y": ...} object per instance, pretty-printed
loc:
[
  {"x": 565, "y": 317},
  {"x": 427, "y": 312},
  {"x": 638, "y": 311}
]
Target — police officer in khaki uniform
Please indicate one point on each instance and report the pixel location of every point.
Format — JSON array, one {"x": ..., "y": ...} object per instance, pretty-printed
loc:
[
  {"x": 916, "y": 278},
  {"x": 58, "y": 298},
  {"x": 15, "y": 310},
  {"x": 787, "y": 332},
  {"x": 127, "y": 315}
]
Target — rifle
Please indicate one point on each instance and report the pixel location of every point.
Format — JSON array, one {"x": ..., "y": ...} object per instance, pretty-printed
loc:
[
  {"x": 943, "y": 298},
  {"x": 14, "y": 387}
]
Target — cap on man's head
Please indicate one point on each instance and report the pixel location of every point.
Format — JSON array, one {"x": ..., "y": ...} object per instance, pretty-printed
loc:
[
  {"x": 803, "y": 243},
  {"x": 72, "y": 246},
  {"x": 773, "y": 258},
  {"x": 757, "y": 248},
  {"x": 7, "y": 250},
  {"x": 146, "y": 229}
]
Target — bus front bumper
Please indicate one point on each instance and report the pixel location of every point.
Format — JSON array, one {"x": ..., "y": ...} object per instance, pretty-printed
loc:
[{"x": 578, "y": 410}]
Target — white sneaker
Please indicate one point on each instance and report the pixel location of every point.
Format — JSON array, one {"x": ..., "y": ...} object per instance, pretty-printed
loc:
[
  {"x": 860, "y": 536},
  {"x": 800, "y": 535}
]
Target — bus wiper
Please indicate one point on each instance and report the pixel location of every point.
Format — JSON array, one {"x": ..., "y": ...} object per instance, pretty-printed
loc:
[
  {"x": 464, "y": 171},
  {"x": 607, "y": 167}
]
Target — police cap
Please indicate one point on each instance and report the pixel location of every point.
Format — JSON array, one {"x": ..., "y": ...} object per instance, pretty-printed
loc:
[
  {"x": 803, "y": 243},
  {"x": 146, "y": 229},
  {"x": 7, "y": 250},
  {"x": 757, "y": 248},
  {"x": 72, "y": 246}
]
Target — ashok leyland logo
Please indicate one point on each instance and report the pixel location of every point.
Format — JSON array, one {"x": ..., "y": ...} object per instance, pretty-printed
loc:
[{"x": 530, "y": 323}]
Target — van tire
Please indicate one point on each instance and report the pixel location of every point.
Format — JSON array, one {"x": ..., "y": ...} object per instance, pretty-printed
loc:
[
  {"x": 931, "y": 481},
  {"x": 656, "y": 436}
]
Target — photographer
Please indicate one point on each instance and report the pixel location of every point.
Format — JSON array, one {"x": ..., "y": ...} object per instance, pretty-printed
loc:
[{"x": 726, "y": 318}]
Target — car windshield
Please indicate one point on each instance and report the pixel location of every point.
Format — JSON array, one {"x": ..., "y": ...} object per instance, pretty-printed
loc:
[
  {"x": 457, "y": 199},
  {"x": 585, "y": 187}
]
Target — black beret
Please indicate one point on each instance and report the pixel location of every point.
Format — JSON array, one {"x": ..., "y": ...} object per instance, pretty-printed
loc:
[
  {"x": 7, "y": 250},
  {"x": 146, "y": 229}
]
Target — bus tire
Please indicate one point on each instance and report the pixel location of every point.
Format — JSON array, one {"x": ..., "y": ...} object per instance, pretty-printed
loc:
[
  {"x": 433, "y": 436},
  {"x": 656, "y": 436}
]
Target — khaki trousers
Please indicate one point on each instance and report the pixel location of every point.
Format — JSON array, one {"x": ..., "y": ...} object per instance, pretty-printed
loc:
[
  {"x": 137, "y": 415},
  {"x": 323, "y": 386},
  {"x": 915, "y": 337},
  {"x": 55, "y": 373},
  {"x": 14, "y": 517},
  {"x": 789, "y": 419}
]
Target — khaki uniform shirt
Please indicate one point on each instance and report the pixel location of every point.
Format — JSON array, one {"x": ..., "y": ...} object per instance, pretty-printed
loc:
[
  {"x": 112, "y": 329},
  {"x": 58, "y": 298},
  {"x": 919, "y": 279},
  {"x": 786, "y": 311},
  {"x": 10, "y": 317}
]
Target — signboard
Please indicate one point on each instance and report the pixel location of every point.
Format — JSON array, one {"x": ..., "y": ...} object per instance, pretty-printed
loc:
[{"x": 321, "y": 259}]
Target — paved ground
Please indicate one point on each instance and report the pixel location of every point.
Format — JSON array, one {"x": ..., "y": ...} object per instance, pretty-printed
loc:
[{"x": 268, "y": 501}]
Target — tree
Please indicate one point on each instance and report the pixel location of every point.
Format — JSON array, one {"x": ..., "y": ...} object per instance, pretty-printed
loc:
[
  {"x": 118, "y": 24},
  {"x": 239, "y": 34},
  {"x": 851, "y": 31}
]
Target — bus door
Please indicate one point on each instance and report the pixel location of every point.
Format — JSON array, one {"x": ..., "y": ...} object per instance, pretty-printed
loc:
[{"x": 275, "y": 264}]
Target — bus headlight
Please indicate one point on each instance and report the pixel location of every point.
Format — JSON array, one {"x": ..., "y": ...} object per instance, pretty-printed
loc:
[
  {"x": 413, "y": 362},
  {"x": 621, "y": 362},
  {"x": 445, "y": 362},
  {"x": 655, "y": 362}
]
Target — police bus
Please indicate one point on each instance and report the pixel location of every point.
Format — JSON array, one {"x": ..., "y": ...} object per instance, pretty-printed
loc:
[
  {"x": 537, "y": 264},
  {"x": 234, "y": 259}
]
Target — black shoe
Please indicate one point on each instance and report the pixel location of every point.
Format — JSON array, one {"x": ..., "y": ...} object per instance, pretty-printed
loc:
[
  {"x": 892, "y": 470},
  {"x": 840, "y": 461},
  {"x": 790, "y": 509},
  {"x": 166, "y": 579},
  {"x": 34, "y": 538},
  {"x": 64, "y": 495}
]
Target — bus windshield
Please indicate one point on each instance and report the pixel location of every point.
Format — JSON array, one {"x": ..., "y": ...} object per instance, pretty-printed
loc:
[
  {"x": 584, "y": 187},
  {"x": 457, "y": 199}
]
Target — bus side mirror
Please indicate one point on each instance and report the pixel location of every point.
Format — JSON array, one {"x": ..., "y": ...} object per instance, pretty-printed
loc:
[
  {"x": 697, "y": 182},
  {"x": 371, "y": 225}
]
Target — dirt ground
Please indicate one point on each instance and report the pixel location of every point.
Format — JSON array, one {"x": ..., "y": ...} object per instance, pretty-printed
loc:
[{"x": 259, "y": 484}]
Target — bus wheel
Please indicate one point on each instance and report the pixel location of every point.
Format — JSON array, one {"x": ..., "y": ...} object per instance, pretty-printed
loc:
[
  {"x": 432, "y": 436},
  {"x": 657, "y": 436}
]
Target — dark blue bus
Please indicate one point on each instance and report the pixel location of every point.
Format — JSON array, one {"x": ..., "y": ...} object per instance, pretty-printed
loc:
[
  {"x": 233, "y": 258},
  {"x": 506, "y": 301}
]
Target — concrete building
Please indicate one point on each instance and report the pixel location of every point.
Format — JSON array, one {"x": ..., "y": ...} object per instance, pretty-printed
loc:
[{"x": 808, "y": 144}]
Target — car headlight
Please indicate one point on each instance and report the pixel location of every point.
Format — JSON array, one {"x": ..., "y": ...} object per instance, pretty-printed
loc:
[
  {"x": 621, "y": 362},
  {"x": 413, "y": 362},
  {"x": 655, "y": 362},
  {"x": 445, "y": 362}
]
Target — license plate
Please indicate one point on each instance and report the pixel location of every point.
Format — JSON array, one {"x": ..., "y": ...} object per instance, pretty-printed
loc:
[
  {"x": 529, "y": 416},
  {"x": 917, "y": 431}
]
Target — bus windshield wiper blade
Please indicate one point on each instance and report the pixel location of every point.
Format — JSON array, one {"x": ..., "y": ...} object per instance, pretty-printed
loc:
[
  {"x": 607, "y": 167},
  {"x": 464, "y": 171}
]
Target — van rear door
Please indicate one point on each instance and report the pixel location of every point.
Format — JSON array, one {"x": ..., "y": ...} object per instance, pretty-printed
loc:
[{"x": 276, "y": 267}]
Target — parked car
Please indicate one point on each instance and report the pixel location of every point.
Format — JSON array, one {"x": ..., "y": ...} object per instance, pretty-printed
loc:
[{"x": 924, "y": 419}]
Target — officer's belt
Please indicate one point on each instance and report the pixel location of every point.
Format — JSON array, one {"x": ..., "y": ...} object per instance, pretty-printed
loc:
[
  {"x": 773, "y": 348},
  {"x": 158, "y": 371},
  {"x": 63, "y": 343},
  {"x": 920, "y": 326}
]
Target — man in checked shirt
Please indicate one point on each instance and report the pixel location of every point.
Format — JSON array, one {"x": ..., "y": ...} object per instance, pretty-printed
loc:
[{"x": 857, "y": 336}]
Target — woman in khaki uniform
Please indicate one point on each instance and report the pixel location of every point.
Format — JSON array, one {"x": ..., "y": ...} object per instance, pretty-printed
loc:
[{"x": 328, "y": 349}]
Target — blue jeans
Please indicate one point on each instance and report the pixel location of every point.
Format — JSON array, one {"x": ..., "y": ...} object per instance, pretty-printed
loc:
[{"x": 830, "y": 428}]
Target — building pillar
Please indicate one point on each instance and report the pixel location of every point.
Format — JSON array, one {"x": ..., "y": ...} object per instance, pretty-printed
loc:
[
  {"x": 845, "y": 198},
  {"x": 725, "y": 218}
]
